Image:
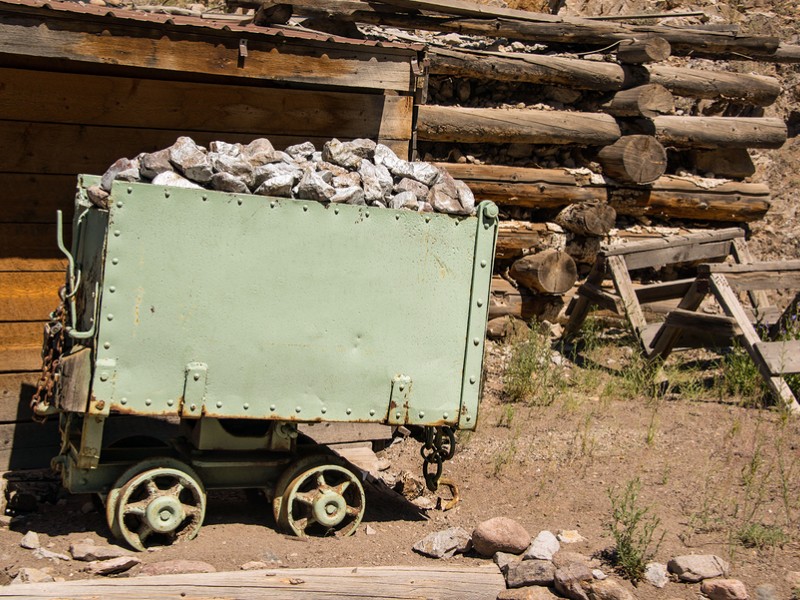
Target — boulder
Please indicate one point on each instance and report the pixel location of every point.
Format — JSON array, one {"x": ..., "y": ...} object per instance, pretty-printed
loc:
[
  {"x": 694, "y": 568},
  {"x": 569, "y": 580},
  {"x": 500, "y": 534},
  {"x": 503, "y": 559}
]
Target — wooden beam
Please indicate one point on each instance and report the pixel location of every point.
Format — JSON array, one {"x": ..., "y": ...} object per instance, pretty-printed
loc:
[
  {"x": 637, "y": 52},
  {"x": 638, "y": 159},
  {"x": 603, "y": 76},
  {"x": 34, "y": 198},
  {"x": 487, "y": 125},
  {"x": 529, "y": 68},
  {"x": 21, "y": 346},
  {"x": 16, "y": 391},
  {"x": 648, "y": 100},
  {"x": 682, "y": 81},
  {"x": 775, "y": 275},
  {"x": 481, "y": 582},
  {"x": 730, "y": 304},
  {"x": 720, "y": 132},
  {"x": 255, "y": 111},
  {"x": 669, "y": 196},
  {"x": 514, "y": 238},
  {"x": 666, "y": 290},
  {"x": 49, "y": 39}
]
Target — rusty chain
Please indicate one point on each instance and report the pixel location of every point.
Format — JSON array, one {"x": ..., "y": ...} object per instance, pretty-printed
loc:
[
  {"x": 439, "y": 446},
  {"x": 52, "y": 350}
]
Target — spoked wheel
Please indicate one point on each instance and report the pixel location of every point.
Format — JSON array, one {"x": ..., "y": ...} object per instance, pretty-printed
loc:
[
  {"x": 319, "y": 495},
  {"x": 112, "y": 498},
  {"x": 160, "y": 505}
]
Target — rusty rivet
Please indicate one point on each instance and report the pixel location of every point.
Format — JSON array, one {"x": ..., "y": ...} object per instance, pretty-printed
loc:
[
  {"x": 100, "y": 404},
  {"x": 193, "y": 407}
]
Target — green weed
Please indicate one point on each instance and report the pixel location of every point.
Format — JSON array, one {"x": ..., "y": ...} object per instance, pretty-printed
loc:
[
  {"x": 756, "y": 535},
  {"x": 531, "y": 377},
  {"x": 740, "y": 377},
  {"x": 634, "y": 530}
]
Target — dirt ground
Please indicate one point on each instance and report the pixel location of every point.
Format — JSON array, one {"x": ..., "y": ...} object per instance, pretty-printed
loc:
[{"x": 707, "y": 469}]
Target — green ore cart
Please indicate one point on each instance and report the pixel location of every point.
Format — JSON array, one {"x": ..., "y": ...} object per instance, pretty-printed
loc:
[{"x": 242, "y": 316}]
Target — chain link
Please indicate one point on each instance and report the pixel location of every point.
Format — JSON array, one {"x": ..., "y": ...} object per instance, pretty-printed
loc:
[
  {"x": 439, "y": 446},
  {"x": 52, "y": 350}
]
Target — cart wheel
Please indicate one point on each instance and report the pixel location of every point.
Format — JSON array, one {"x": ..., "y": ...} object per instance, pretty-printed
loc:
[
  {"x": 324, "y": 498},
  {"x": 113, "y": 494},
  {"x": 161, "y": 504}
]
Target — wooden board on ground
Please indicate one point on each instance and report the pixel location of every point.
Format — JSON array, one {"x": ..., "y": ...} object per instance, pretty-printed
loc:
[{"x": 441, "y": 582}]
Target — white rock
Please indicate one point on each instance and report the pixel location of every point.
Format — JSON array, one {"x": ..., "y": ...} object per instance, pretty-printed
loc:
[
  {"x": 29, "y": 575},
  {"x": 656, "y": 574},
  {"x": 444, "y": 544},
  {"x": 543, "y": 547},
  {"x": 112, "y": 565},
  {"x": 570, "y": 536},
  {"x": 696, "y": 567},
  {"x": 49, "y": 554},
  {"x": 30, "y": 541},
  {"x": 172, "y": 179},
  {"x": 598, "y": 574}
]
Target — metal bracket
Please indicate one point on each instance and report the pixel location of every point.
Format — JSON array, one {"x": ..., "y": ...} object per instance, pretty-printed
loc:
[
  {"x": 105, "y": 376},
  {"x": 398, "y": 400},
  {"x": 194, "y": 390},
  {"x": 91, "y": 442}
]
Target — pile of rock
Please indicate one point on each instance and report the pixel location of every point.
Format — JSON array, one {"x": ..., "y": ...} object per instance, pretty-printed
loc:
[
  {"x": 357, "y": 172},
  {"x": 540, "y": 569}
]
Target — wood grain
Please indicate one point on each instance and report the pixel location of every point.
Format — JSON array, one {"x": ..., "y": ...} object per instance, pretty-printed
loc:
[
  {"x": 481, "y": 582},
  {"x": 29, "y": 296}
]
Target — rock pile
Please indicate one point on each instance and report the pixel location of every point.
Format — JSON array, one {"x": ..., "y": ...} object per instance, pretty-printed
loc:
[{"x": 357, "y": 172}]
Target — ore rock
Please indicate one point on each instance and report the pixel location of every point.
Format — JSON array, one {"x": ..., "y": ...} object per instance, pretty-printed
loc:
[
  {"x": 349, "y": 195},
  {"x": 313, "y": 187},
  {"x": 305, "y": 150},
  {"x": 191, "y": 160},
  {"x": 171, "y": 178},
  {"x": 154, "y": 163},
  {"x": 225, "y": 182}
]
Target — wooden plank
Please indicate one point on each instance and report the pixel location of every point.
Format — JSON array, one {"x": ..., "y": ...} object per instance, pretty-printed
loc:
[
  {"x": 20, "y": 242},
  {"x": 28, "y": 296},
  {"x": 782, "y": 322},
  {"x": 716, "y": 325},
  {"x": 741, "y": 254},
  {"x": 597, "y": 295},
  {"x": 781, "y": 358},
  {"x": 624, "y": 287},
  {"x": 579, "y": 305},
  {"x": 679, "y": 254},
  {"x": 20, "y": 346},
  {"x": 730, "y": 304},
  {"x": 476, "y": 582},
  {"x": 97, "y": 100},
  {"x": 776, "y": 275},
  {"x": 667, "y": 336},
  {"x": 39, "y": 147},
  {"x": 16, "y": 390},
  {"x": 675, "y": 241},
  {"x": 666, "y": 290},
  {"x": 46, "y": 39},
  {"x": 34, "y": 198},
  {"x": 720, "y": 132}
]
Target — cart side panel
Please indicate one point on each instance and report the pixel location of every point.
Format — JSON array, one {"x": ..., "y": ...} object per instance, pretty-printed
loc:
[{"x": 253, "y": 307}]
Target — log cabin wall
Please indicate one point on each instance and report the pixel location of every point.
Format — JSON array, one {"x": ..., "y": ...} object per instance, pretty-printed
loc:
[{"x": 81, "y": 87}]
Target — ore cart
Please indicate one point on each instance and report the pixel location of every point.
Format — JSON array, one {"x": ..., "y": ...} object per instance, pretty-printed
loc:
[{"x": 241, "y": 316}]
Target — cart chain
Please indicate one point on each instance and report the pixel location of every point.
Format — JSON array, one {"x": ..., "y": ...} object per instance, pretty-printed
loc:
[
  {"x": 439, "y": 446},
  {"x": 52, "y": 350}
]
